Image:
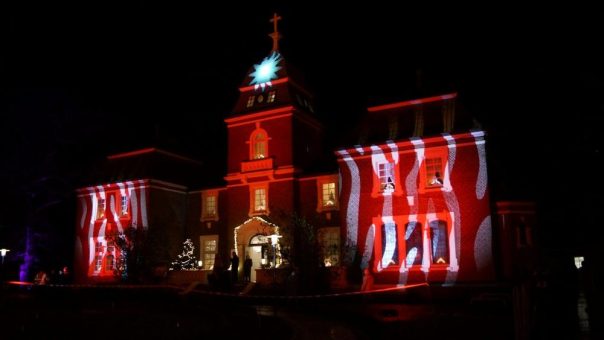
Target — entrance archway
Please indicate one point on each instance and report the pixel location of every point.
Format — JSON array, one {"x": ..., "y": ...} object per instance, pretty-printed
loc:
[
  {"x": 256, "y": 250},
  {"x": 250, "y": 239}
]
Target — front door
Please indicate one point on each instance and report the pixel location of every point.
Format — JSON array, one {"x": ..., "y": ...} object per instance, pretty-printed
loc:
[{"x": 255, "y": 253}]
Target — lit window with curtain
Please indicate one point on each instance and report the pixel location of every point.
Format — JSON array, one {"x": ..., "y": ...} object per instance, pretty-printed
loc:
[
  {"x": 434, "y": 172},
  {"x": 100, "y": 213},
  {"x": 386, "y": 176},
  {"x": 259, "y": 145},
  {"x": 329, "y": 195},
  {"x": 259, "y": 200}
]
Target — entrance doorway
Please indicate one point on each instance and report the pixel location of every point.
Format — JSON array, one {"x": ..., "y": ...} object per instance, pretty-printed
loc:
[
  {"x": 251, "y": 239},
  {"x": 257, "y": 253}
]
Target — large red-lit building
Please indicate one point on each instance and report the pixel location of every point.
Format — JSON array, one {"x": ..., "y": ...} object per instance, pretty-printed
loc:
[{"x": 409, "y": 199}]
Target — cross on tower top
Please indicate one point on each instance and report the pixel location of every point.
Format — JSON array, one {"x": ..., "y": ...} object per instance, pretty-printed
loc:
[{"x": 275, "y": 35}]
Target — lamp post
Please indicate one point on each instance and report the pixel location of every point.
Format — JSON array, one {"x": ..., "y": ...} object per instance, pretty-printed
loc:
[
  {"x": 274, "y": 239},
  {"x": 3, "y": 252}
]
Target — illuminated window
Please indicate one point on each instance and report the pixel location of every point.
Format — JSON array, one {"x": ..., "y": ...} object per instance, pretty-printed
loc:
[
  {"x": 124, "y": 206},
  {"x": 329, "y": 239},
  {"x": 209, "y": 248},
  {"x": 439, "y": 240},
  {"x": 329, "y": 195},
  {"x": 259, "y": 200},
  {"x": 250, "y": 101},
  {"x": 110, "y": 248},
  {"x": 271, "y": 96},
  {"x": 434, "y": 172},
  {"x": 100, "y": 213},
  {"x": 258, "y": 143},
  {"x": 211, "y": 205},
  {"x": 259, "y": 146},
  {"x": 109, "y": 262},
  {"x": 386, "y": 176},
  {"x": 389, "y": 245},
  {"x": 414, "y": 243}
]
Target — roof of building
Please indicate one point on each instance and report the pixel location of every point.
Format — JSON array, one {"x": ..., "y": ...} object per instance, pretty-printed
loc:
[{"x": 158, "y": 164}]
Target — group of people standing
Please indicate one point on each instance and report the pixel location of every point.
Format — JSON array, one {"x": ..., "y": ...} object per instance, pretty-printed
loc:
[
  {"x": 220, "y": 276},
  {"x": 247, "y": 268}
]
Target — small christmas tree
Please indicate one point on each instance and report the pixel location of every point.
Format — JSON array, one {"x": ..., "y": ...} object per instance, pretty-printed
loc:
[{"x": 185, "y": 260}]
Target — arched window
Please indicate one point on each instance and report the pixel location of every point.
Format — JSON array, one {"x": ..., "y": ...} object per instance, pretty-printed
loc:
[
  {"x": 389, "y": 245},
  {"x": 259, "y": 144},
  {"x": 414, "y": 243},
  {"x": 440, "y": 244}
]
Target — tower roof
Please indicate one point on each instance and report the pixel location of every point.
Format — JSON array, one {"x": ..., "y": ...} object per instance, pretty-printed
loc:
[{"x": 273, "y": 83}]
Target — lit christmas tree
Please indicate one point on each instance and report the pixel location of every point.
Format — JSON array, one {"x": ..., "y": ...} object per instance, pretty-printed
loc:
[{"x": 185, "y": 260}]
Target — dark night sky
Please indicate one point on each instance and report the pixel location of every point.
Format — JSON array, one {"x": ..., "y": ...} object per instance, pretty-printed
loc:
[{"x": 80, "y": 81}]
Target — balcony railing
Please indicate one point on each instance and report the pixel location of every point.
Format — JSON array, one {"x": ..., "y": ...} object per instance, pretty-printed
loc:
[{"x": 257, "y": 164}]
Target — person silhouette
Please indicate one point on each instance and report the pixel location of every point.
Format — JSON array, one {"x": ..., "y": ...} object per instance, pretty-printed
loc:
[
  {"x": 234, "y": 266},
  {"x": 247, "y": 269}
]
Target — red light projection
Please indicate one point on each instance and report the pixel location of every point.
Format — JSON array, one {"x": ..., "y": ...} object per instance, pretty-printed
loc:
[
  {"x": 410, "y": 226},
  {"x": 105, "y": 211}
]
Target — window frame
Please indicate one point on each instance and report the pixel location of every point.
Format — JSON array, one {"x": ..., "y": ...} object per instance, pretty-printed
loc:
[
  {"x": 124, "y": 203},
  {"x": 432, "y": 167},
  {"x": 253, "y": 195},
  {"x": 254, "y": 143},
  {"x": 377, "y": 181},
  {"x": 205, "y": 214},
  {"x": 272, "y": 95},
  {"x": 385, "y": 173},
  {"x": 250, "y": 101},
  {"x": 202, "y": 250},
  {"x": 434, "y": 153},
  {"x": 101, "y": 208},
  {"x": 325, "y": 237},
  {"x": 321, "y": 182},
  {"x": 427, "y": 262}
]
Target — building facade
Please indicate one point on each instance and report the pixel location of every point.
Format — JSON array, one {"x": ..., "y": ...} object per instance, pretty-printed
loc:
[{"x": 410, "y": 200}]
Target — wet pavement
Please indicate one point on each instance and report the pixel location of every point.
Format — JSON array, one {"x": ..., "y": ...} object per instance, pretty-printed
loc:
[{"x": 155, "y": 312}]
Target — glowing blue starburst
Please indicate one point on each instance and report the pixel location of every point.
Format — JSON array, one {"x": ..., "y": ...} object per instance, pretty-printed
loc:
[{"x": 265, "y": 71}]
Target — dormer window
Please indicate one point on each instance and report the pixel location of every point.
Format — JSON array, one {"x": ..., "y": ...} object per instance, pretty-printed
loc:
[
  {"x": 434, "y": 172},
  {"x": 386, "y": 176},
  {"x": 271, "y": 96},
  {"x": 258, "y": 143},
  {"x": 250, "y": 101}
]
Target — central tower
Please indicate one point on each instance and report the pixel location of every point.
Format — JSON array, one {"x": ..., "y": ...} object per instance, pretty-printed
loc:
[{"x": 272, "y": 135}]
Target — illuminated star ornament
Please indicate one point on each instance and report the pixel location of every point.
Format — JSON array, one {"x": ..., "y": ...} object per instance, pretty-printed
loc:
[{"x": 266, "y": 71}]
